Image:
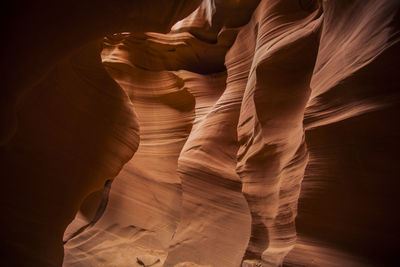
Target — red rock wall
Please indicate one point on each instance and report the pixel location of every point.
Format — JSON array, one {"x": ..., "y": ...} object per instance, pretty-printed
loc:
[{"x": 253, "y": 133}]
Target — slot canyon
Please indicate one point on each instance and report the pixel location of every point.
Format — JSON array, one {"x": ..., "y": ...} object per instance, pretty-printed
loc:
[{"x": 200, "y": 133}]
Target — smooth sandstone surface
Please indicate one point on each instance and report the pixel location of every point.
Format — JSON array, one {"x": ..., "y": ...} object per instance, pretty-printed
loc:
[{"x": 212, "y": 133}]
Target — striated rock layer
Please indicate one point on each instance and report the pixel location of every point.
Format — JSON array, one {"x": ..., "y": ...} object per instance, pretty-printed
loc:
[
  {"x": 216, "y": 127},
  {"x": 66, "y": 126}
]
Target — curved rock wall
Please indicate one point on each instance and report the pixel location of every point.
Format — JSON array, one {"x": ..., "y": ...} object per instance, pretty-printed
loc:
[
  {"x": 247, "y": 120},
  {"x": 242, "y": 164},
  {"x": 66, "y": 126}
]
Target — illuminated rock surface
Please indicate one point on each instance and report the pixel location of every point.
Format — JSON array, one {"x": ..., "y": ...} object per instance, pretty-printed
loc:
[{"x": 225, "y": 133}]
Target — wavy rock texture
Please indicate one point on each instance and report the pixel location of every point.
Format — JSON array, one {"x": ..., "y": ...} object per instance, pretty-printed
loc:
[
  {"x": 66, "y": 126},
  {"x": 253, "y": 133}
]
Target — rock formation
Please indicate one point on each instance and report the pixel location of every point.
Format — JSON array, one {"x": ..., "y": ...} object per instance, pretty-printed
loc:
[{"x": 201, "y": 133}]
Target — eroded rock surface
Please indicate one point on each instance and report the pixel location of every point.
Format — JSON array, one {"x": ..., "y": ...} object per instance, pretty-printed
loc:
[{"x": 226, "y": 133}]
